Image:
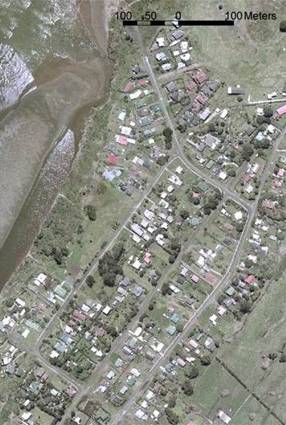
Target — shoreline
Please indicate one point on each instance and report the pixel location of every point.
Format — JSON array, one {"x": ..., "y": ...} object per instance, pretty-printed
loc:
[{"x": 59, "y": 68}]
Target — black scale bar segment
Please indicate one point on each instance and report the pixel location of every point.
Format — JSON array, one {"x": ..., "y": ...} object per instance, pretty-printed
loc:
[{"x": 203, "y": 22}]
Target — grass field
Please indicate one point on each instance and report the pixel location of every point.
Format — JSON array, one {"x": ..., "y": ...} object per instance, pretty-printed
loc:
[{"x": 246, "y": 358}]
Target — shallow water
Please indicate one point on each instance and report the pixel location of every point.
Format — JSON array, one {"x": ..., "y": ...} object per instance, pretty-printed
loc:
[
  {"x": 44, "y": 45},
  {"x": 37, "y": 206},
  {"x": 15, "y": 76}
]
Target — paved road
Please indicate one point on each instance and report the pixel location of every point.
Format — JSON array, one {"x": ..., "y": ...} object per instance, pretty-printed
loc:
[
  {"x": 94, "y": 263},
  {"x": 35, "y": 350},
  {"x": 208, "y": 301},
  {"x": 231, "y": 194},
  {"x": 252, "y": 209},
  {"x": 103, "y": 367}
]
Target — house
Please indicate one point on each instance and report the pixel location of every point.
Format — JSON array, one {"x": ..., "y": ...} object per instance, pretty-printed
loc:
[
  {"x": 184, "y": 271},
  {"x": 280, "y": 111},
  {"x": 268, "y": 203},
  {"x": 112, "y": 159},
  {"x": 122, "y": 115},
  {"x": 130, "y": 86},
  {"x": 40, "y": 279},
  {"x": 122, "y": 140},
  {"x": 200, "y": 77},
  {"x": 211, "y": 141},
  {"x": 110, "y": 375},
  {"x": 213, "y": 85},
  {"x": 235, "y": 90},
  {"x": 161, "y": 56},
  {"x": 171, "y": 86},
  {"x": 224, "y": 113},
  {"x": 137, "y": 229},
  {"x": 186, "y": 58},
  {"x": 160, "y": 41},
  {"x": 191, "y": 85},
  {"x": 137, "y": 264},
  {"x": 204, "y": 114},
  {"x": 224, "y": 417},
  {"x": 135, "y": 95},
  {"x": 166, "y": 67},
  {"x": 250, "y": 279},
  {"x": 107, "y": 309},
  {"x": 184, "y": 46},
  {"x": 137, "y": 291},
  {"x": 176, "y": 35},
  {"x": 201, "y": 98},
  {"x": 238, "y": 215},
  {"x": 194, "y": 278},
  {"x": 222, "y": 175},
  {"x": 210, "y": 344}
]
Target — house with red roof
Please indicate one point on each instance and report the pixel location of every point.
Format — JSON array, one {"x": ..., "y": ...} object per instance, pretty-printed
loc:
[
  {"x": 196, "y": 106},
  {"x": 280, "y": 111},
  {"x": 202, "y": 98},
  {"x": 191, "y": 85},
  {"x": 122, "y": 140},
  {"x": 79, "y": 316},
  {"x": 112, "y": 159},
  {"x": 200, "y": 76},
  {"x": 130, "y": 86},
  {"x": 276, "y": 184},
  {"x": 250, "y": 279}
]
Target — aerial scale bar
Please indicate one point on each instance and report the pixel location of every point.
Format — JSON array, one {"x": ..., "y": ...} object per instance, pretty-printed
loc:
[{"x": 179, "y": 23}]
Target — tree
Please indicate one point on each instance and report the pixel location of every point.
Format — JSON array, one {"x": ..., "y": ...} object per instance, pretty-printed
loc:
[
  {"x": 184, "y": 214},
  {"x": 90, "y": 212},
  {"x": 187, "y": 387},
  {"x": 109, "y": 279},
  {"x": 268, "y": 111},
  {"x": 90, "y": 281},
  {"x": 231, "y": 172},
  {"x": 260, "y": 120},
  {"x": 206, "y": 360},
  {"x": 172, "y": 401},
  {"x": 58, "y": 256},
  {"x": 111, "y": 330},
  {"x": 172, "y": 259},
  {"x": 248, "y": 263},
  {"x": 9, "y": 302},
  {"x": 220, "y": 298},
  {"x": 167, "y": 133},
  {"x": 182, "y": 128},
  {"x": 239, "y": 227},
  {"x": 162, "y": 160},
  {"x": 168, "y": 144},
  {"x": 191, "y": 372},
  {"x": 245, "y": 306},
  {"x": 179, "y": 327},
  {"x": 165, "y": 288},
  {"x": 247, "y": 151},
  {"x": 172, "y": 417}
]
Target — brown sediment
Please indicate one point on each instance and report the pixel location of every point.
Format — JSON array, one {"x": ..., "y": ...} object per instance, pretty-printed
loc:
[
  {"x": 95, "y": 16},
  {"x": 66, "y": 90},
  {"x": 36, "y": 206}
]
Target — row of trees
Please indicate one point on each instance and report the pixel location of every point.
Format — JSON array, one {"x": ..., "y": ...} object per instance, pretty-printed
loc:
[
  {"x": 109, "y": 266},
  {"x": 168, "y": 136}
]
